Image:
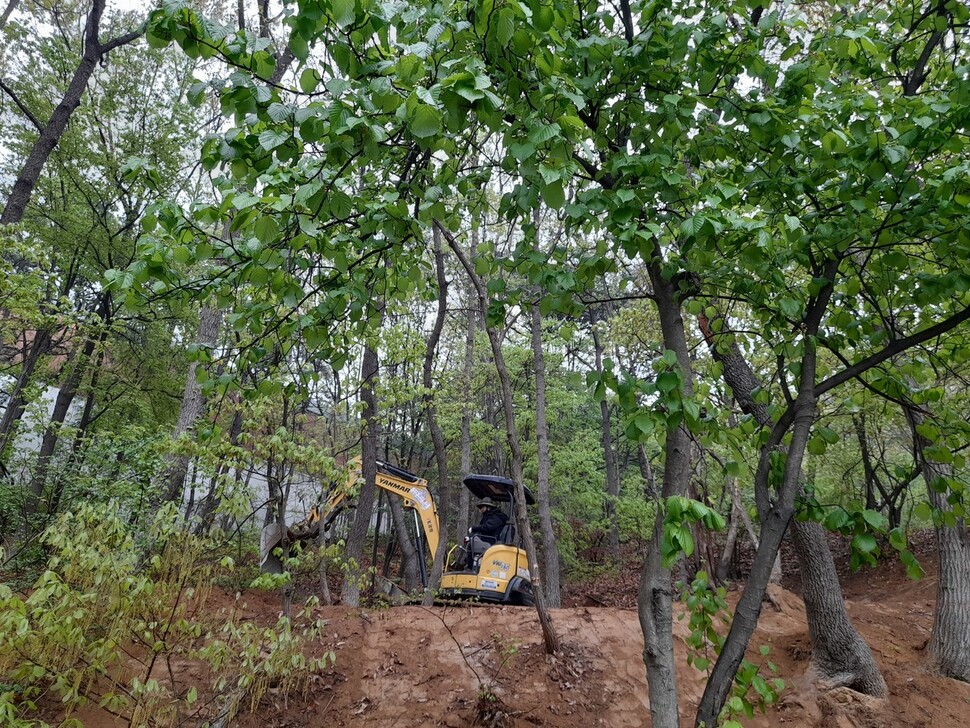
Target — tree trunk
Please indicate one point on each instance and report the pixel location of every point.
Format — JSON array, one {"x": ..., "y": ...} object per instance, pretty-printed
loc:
[
  {"x": 549, "y": 636},
  {"x": 612, "y": 477},
  {"x": 350, "y": 591},
  {"x": 655, "y": 599},
  {"x": 550, "y": 551},
  {"x": 773, "y": 527},
  {"x": 16, "y": 405},
  {"x": 171, "y": 484},
  {"x": 823, "y": 602},
  {"x": 730, "y": 541},
  {"x": 62, "y": 405},
  {"x": 409, "y": 554},
  {"x": 94, "y": 50},
  {"x": 949, "y": 643},
  {"x": 469, "y": 371},
  {"x": 646, "y": 472},
  {"x": 11, "y": 6},
  {"x": 210, "y": 503},
  {"x": 437, "y": 436},
  {"x": 839, "y": 654},
  {"x": 840, "y": 657}
]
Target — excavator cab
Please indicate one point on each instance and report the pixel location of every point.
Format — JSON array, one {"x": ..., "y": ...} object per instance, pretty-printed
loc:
[{"x": 491, "y": 569}]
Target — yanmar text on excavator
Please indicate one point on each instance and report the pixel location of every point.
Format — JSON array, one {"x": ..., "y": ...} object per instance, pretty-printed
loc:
[{"x": 496, "y": 570}]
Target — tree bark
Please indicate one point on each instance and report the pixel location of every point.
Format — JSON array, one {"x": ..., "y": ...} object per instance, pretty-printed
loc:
[
  {"x": 646, "y": 472},
  {"x": 773, "y": 529},
  {"x": 823, "y": 600},
  {"x": 51, "y": 134},
  {"x": 949, "y": 643},
  {"x": 62, "y": 405},
  {"x": 350, "y": 590},
  {"x": 409, "y": 554},
  {"x": 549, "y": 636},
  {"x": 550, "y": 550},
  {"x": 172, "y": 481},
  {"x": 730, "y": 541},
  {"x": 11, "y": 6},
  {"x": 655, "y": 599},
  {"x": 437, "y": 436},
  {"x": 210, "y": 503},
  {"x": 612, "y": 476},
  {"x": 39, "y": 347},
  {"x": 471, "y": 328}
]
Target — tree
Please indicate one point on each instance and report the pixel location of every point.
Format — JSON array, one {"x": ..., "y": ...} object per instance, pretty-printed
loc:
[
  {"x": 549, "y": 635},
  {"x": 50, "y": 132}
]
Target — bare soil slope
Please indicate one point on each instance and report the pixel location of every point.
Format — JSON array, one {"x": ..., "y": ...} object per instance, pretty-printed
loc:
[{"x": 409, "y": 666}]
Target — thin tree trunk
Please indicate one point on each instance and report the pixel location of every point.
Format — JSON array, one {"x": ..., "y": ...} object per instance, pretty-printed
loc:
[
  {"x": 844, "y": 650},
  {"x": 356, "y": 540},
  {"x": 949, "y": 643},
  {"x": 62, "y": 405},
  {"x": 172, "y": 481},
  {"x": 730, "y": 541},
  {"x": 612, "y": 476},
  {"x": 839, "y": 654},
  {"x": 51, "y": 134},
  {"x": 437, "y": 436},
  {"x": 646, "y": 472},
  {"x": 773, "y": 527},
  {"x": 550, "y": 550},
  {"x": 466, "y": 418},
  {"x": 655, "y": 599},
  {"x": 549, "y": 636},
  {"x": 409, "y": 554},
  {"x": 11, "y": 6},
  {"x": 210, "y": 504},
  {"x": 39, "y": 347}
]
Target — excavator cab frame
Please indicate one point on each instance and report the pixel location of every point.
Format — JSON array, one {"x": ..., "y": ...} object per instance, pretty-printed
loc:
[{"x": 501, "y": 572}]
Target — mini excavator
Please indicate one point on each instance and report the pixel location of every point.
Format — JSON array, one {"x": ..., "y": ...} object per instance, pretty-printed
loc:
[{"x": 485, "y": 569}]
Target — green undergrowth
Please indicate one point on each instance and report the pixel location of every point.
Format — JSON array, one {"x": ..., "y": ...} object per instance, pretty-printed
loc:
[
  {"x": 130, "y": 627},
  {"x": 709, "y": 619}
]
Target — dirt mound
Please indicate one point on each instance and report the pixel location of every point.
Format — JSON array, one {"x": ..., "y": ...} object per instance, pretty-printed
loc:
[
  {"x": 477, "y": 665},
  {"x": 409, "y": 666}
]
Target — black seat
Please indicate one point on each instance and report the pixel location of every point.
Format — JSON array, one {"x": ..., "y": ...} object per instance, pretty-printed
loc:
[{"x": 506, "y": 535}]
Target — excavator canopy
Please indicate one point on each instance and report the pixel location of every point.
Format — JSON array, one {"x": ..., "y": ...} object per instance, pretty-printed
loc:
[{"x": 496, "y": 487}]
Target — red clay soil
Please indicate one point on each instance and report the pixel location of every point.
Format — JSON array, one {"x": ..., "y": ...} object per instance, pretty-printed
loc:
[{"x": 410, "y": 666}]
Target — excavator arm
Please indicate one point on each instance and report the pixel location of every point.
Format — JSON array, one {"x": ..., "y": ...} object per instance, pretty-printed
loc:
[{"x": 398, "y": 481}]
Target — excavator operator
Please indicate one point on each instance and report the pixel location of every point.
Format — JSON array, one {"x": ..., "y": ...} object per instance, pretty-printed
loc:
[{"x": 487, "y": 530}]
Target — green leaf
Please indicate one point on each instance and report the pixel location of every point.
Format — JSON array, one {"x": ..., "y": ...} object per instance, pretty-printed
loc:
[
  {"x": 829, "y": 435},
  {"x": 425, "y": 122},
  {"x": 309, "y": 80},
  {"x": 266, "y": 229},
  {"x": 816, "y": 446},
  {"x": 271, "y": 139},
  {"x": 344, "y": 12},
  {"x": 864, "y": 542},
  {"x": 875, "y": 519},
  {"x": 506, "y": 27},
  {"x": 667, "y": 382},
  {"x": 553, "y": 194}
]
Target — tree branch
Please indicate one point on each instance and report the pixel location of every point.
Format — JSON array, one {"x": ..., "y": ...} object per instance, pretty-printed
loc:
[
  {"x": 896, "y": 347},
  {"x": 26, "y": 112},
  {"x": 123, "y": 39}
]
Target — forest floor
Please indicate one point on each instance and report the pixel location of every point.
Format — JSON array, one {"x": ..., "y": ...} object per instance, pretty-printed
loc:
[{"x": 409, "y": 666}]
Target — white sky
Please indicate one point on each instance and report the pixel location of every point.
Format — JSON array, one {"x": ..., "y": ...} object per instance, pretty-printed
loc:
[{"x": 144, "y": 5}]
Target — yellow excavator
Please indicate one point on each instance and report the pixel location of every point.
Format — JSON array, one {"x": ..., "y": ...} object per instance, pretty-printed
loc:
[{"x": 482, "y": 568}]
